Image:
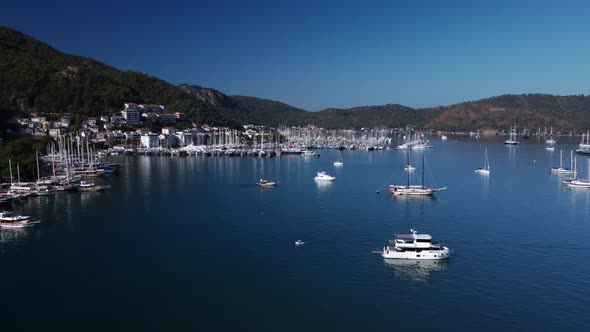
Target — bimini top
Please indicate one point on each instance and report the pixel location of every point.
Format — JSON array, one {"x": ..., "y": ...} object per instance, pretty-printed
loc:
[{"x": 414, "y": 235}]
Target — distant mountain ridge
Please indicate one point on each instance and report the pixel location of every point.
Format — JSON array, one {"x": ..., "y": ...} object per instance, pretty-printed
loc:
[{"x": 36, "y": 77}]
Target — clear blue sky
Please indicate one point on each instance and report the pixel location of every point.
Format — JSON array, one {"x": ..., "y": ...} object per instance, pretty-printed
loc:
[{"x": 318, "y": 54}]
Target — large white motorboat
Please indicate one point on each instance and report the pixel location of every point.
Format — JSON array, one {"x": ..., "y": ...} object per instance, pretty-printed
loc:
[
  {"x": 323, "y": 176},
  {"x": 414, "y": 246},
  {"x": 8, "y": 220}
]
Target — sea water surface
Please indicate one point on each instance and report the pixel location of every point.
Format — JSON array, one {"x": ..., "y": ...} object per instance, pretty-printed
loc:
[{"x": 191, "y": 243}]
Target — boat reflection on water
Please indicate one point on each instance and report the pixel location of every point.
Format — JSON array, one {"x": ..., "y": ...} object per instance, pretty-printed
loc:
[
  {"x": 12, "y": 237},
  {"x": 323, "y": 185},
  {"x": 415, "y": 270},
  {"x": 412, "y": 198}
]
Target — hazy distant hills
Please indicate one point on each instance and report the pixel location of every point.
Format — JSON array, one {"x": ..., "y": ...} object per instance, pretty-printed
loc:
[
  {"x": 36, "y": 77},
  {"x": 530, "y": 111}
]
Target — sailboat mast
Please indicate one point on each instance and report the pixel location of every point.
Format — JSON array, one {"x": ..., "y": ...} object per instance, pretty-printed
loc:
[
  {"x": 408, "y": 162},
  {"x": 422, "y": 170},
  {"x": 38, "y": 173}
]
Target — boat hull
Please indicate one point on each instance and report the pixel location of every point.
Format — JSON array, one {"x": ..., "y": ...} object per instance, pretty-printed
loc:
[
  {"x": 417, "y": 191},
  {"x": 425, "y": 254},
  {"x": 324, "y": 178},
  {"x": 19, "y": 224}
]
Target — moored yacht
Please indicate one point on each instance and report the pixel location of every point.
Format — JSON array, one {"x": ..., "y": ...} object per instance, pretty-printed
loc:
[
  {"x": 310, "y": 153},
  {"x": 512, "y": 140},
  {"x": 414, "y": 246},
  {"x": 7, "y": 220},
  {"x": 90, "y": 186},
  {"x": 267, "y": 183},
  {"x": 323, "y": 176},
  {"x": 409, "y": 189},
  {"x": 578, "y": 183},
  {"x": 561, "y": 169}
]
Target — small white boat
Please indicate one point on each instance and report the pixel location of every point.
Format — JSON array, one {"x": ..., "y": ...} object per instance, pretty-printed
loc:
[
  {"x": 443, "y": 137},
  {"x": 299, "y": 243},
  {"x": 339, "y": 162},
  {"x": 415, "y": 246},
  {"x": 409, "y": 168},
  {"x": 267, "y": 183},
  {"x": 323, "y": 176},
  {"x": 310, "y": 153}
]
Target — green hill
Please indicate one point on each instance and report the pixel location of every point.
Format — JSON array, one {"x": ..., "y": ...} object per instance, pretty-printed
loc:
[
  {"x": 34, "y": 77},
  {"x": 272, "y": 113}
]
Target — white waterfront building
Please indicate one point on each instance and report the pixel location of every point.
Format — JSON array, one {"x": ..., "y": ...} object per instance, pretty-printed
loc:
[
  {"x": 150, "y": 140},
  {"x": 185, "y": 138}
]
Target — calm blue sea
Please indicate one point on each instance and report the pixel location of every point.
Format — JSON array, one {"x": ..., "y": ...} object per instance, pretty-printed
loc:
[{"x": 191, "y": 244}]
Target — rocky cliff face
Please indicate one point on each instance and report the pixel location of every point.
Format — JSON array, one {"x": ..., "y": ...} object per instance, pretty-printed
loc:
[{"x": 207, "y": 95}]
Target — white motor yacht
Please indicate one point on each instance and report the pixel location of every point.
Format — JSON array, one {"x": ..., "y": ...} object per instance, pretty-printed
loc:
[
  {"x": 267, "y": 183},
  {"x": 310, "y": 153},
  {"x": 7, "y": 220},
  {"x": 323, "y": 176},
  {"x": 414, "y": 246}
]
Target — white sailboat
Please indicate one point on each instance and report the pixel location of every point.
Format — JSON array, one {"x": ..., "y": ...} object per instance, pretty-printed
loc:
[
  {"x": 339, "y": 162},
  {"x": 551, "y": 140},
  {"x": 485, "y": 170},
  {"x": 512, "y": 140},
  {"x": 414, "y": 189},
  {"x": 584, "y": 147},
  {"x": 578, "y": 183},
  {"x": 564, "y": 170}
]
